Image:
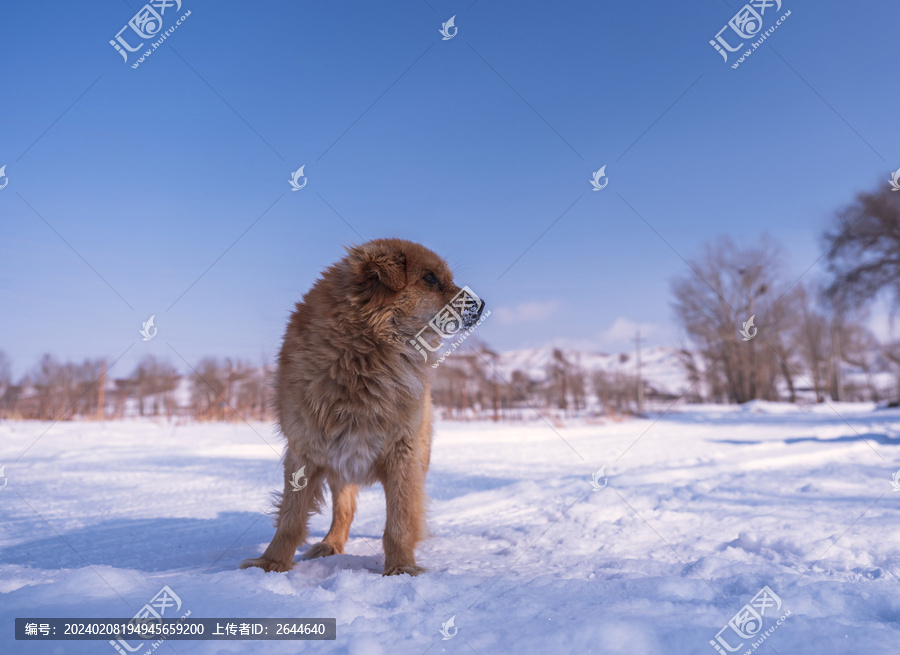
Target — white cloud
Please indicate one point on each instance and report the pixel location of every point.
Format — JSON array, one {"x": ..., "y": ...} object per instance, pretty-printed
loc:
[
  {"x": 623, "y": 330},
  {"x": 527, "y": 312},
  {"x": 618, "y": 337}
]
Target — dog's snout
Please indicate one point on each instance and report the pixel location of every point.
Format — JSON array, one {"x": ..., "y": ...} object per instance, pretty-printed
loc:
[{"x": 472, "y": 314}]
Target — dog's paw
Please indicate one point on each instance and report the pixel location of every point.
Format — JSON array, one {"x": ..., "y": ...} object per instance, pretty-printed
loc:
[
  {"x": 267, "y": 565},
  {"x": 320, "y": 549},
  {"x": 399, "y": 570}
]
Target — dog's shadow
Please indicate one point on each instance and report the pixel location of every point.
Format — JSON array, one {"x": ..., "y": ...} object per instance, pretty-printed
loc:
[
  {"x": 447, "y": 486},
  {"x": 322, "y": 568},
  {"x": 875, "y": 437},
  {"x": 216, "y": 544},
  {"x": 160, "y": 544}
]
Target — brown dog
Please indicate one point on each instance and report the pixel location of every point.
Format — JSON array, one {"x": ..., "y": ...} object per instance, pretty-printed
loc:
[{"x": 353, "y": 398}]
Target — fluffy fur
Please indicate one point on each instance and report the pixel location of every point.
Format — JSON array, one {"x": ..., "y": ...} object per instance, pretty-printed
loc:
[{"x": 353, "y": 399}]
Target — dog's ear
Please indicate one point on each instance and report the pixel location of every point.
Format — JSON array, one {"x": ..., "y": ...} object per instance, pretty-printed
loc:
[{"x": 388, "y": 268}]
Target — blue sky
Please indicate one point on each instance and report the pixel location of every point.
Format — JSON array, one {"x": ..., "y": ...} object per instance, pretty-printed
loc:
[{"x": 128, "y": 187}]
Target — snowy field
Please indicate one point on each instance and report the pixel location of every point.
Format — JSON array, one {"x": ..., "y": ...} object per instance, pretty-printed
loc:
[{"x": 707, "y": 508}]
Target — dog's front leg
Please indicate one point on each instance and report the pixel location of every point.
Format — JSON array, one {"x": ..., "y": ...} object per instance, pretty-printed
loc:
[{"x": 403, "y": 478}]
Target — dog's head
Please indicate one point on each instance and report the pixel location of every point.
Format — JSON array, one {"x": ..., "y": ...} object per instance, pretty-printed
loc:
[{"x": 405, "y": 285}]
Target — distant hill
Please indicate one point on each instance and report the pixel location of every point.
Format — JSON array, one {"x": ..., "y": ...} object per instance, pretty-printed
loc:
[
  {"x": 661, "y": 367},
  {"x": 664, "y": 371}
]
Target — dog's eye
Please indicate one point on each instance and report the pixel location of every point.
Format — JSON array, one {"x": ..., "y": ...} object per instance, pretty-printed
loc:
[{"x": 431, "y": 279}]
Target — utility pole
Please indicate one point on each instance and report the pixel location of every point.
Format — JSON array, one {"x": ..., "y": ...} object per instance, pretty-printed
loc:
[
  {"x": 496, "y": 399},
  {"x": 640, "y": 382},
  {"x": 836, "y": 362},
  {"x": 100, "y": 395}
]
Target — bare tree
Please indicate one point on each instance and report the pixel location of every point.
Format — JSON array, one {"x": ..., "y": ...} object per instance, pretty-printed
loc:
[
  {"x": 154, "y": 381},
  {"x": 53, "y": 386},
  {"x": 493, "y": 394},
  {"x": 558, "y": 373},
  {"x": 812, "y": 338},
  {"x": 727, "y": 286},
  {"x": 617, "y": 391},
  {"x": 208, "y": 387},
  {"x": 6, "y": 391},
  {"x": 891, "y": 352},
  {"x": 864, "y": 248},
  {"x": 251, "y": 397},
  {"x": 578, "y": 387},
  {"x": 87, "y": 376},
  {"x": 716, "y": 394},
  {"x": 65, "y": 390},
  {"x": 861, "y": 349},
  {"x": 523, "y": 389}
]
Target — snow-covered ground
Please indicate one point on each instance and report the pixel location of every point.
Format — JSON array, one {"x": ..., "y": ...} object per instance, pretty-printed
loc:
[{"x": 701, "y": 510}]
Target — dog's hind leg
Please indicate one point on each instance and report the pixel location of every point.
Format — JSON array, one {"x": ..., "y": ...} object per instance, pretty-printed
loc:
[
  {"x": 294, "y": 510},
  {"x": 343, "y": 498}
]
